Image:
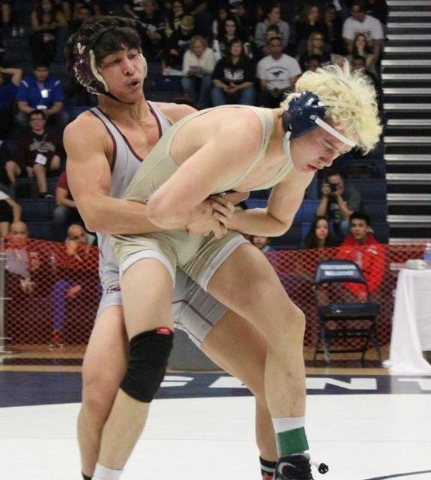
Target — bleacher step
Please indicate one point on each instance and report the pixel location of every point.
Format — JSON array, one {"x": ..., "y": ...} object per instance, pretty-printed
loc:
[
  {"x": 411, "y": 178},
  {"x": 409, "y": 198},
  {"x": 408, "y": 158}
]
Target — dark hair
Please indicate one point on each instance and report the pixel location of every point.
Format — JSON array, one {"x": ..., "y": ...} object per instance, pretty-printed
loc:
[
  {"x": 40, "y": 64},
  {"x": 360, "y": 216},
  {"x": 310, "y": 240},
  {"x": 330, "y": 172},
  {"x": 37, "y": 112}
]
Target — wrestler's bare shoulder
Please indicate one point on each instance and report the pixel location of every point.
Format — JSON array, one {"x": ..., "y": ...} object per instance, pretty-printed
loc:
[
  {"x": 85, "y": 124},
  {"x": 175, "y": 111}
]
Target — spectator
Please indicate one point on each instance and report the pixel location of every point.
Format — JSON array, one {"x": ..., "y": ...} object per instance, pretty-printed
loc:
[
  {"x": 83, "y": 13},
  {"x": 277, "y": 73},
  {"x": 10, "y": 79},
  {"x": 221, "y": 16},
  {"x": 319, "y": 234},
  {"x": 262, "y": 243},
  {"x": 233, "y": 78},
  {"x": 49, "y": 32},
  {"x": 313, "y": 63},
  {"x": 332, "y": 28},
  {"x": 41, "y": 91},
  {"x": 361, "y": 48},
  {"x": 246, "y": 21},
  {"x": 229, "y": 29},
  {"x": 38, "y": 154},
  {"x": 77, "y": 272},
  {"x": 65, "y": 212},
  {"x": 309, "y": 21},
  {"x": 271, "y": 32},
  {"x": 173, "y": 18},
  {"x": 198, "y": 65},
  {"x": 10, "y": 211},
  {"x": 272, "y": 17},
  {"x": 337, "y": 204},
  {"x": 152, "y": 31},
  {"x": 29, "y": 268},
  {"x": 378, "y": 9},
  {"x": 361, "y": 247},
  {"x": 109, "y": 7},
  {"x": 177, "y": 45},
  {"x": 360, "y": 22},
  {"x": 315, "y": 47}
]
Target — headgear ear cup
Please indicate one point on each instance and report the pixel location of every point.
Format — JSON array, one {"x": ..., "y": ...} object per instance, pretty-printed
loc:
[{"x": 299, "y": 118}]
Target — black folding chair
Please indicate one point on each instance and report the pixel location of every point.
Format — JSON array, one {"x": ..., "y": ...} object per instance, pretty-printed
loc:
[{"x": 344, "y": 326}]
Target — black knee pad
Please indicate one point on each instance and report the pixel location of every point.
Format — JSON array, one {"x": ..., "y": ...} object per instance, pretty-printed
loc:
[{"x": 148, "y": 360}]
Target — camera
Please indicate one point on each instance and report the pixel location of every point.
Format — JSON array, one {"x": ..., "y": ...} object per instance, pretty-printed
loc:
[{"x": 333, "y": 187}]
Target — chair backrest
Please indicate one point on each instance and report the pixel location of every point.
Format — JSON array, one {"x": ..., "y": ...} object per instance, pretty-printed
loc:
[{"x": 336, "y": 271}]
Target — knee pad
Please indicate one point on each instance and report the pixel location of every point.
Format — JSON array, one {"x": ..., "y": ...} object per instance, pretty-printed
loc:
[{"x": 148, "y": 360}]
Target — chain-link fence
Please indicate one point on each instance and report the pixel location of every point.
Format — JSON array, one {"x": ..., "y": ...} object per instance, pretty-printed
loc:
[{"x": 51, "y": 297}]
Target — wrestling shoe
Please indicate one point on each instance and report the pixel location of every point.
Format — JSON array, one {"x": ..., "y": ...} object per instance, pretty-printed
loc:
[{"x": 296, "y": 467}]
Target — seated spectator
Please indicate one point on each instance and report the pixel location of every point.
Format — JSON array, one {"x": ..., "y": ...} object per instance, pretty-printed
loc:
[
  {"x": 332, "y": 28},
  {"x": 361, "y": 247},
  {"x": 377, "y": 9},
  {"x": 38, "y": 154},
  {"x": 41, "y": 91},
  {"x": 272, "y": 17},
  {"x": 218, "y": 22},
  {"x": 229, "y": 29},
  {"x": 29, "y": 267},
  {"x": 173, "y": 18},
  {"x": 360, "y": 48},
  {"x": 78, "y": 277},
  {"x": 10, "y": 211},
  {"x": 83, "y": 13},
  {"x": 315, "y": 47},
  {"x": 262, "y": 243},
  {"x": 271, "y": 32},
  {"x": 277, "y": 74},
  {"x": 360, "y": 22},
  {"x": 177, "y": 45},
  {"x": 246, "y": 20},
  {"x": 309, "y": 21},
  {"x": 338, "y": 203},
  {"x": 198, "y": 65},
  {"x": 10, "y": 79},
  {"x": 152, "y": 31},
  {"x": 109, "y": 7},
  {"x": 319, "y": 234},
  {"x": 50, "y": 32},
  {"x": 233, "y": 78},
  {"x": 65, "y": 212},
  {"x": 313, "y": 63}
]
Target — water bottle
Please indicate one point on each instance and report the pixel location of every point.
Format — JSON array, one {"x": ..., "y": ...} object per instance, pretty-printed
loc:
[{"x": 427, "y": 255}]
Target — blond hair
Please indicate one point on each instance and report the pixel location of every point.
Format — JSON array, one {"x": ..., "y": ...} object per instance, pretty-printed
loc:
[{"x": 350, "y": 101}]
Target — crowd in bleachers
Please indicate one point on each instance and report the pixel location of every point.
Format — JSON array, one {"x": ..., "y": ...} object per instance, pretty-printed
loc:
[{"x": 204, "y": 53}]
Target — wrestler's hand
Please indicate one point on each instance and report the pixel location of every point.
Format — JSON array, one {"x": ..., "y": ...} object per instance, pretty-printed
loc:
[
  {"x": 224, "y": 206},
  {"x": 203, "y": 222}
]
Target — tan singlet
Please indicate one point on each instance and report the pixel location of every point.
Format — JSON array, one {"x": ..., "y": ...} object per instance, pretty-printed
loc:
[{"x": 191, "y": 252}]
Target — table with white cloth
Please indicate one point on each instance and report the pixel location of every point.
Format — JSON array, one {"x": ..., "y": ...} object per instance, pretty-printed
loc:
[{"x": 411, "y": 329}]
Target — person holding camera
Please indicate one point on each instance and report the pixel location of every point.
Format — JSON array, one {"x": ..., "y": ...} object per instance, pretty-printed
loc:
[{"x": 338, "y": 202}]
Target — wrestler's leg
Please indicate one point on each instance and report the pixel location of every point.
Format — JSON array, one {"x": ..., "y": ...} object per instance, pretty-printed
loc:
[
  {"x": 239, "y": 349},
  {"x": 146, "y": 289},
  {"x": 247, "y": 283},
  {"x": 103, "y": 369}
]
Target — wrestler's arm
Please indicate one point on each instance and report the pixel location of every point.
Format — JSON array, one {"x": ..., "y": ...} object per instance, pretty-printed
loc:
[
  {"x": 283, "y": 203},
  {"x": 226, "y": 154},
  {"x": 89, "y": 180}
]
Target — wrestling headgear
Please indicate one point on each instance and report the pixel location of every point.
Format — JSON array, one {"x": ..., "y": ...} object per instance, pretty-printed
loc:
[{"x": 80, "y": 46}]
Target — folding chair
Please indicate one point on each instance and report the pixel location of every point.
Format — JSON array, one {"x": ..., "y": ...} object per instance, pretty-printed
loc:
[{"x": 350, "y": 325}]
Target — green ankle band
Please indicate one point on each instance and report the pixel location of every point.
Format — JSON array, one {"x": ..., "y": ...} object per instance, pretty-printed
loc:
[{"x": 292, "y": 441}]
